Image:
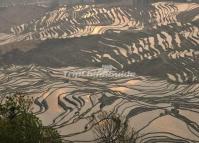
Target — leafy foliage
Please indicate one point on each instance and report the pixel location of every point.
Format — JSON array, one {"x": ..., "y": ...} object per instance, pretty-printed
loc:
[{"x": 19, "y": 125}]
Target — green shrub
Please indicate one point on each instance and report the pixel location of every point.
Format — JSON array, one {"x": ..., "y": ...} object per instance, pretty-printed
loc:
[{"x": 19, "y": 125}]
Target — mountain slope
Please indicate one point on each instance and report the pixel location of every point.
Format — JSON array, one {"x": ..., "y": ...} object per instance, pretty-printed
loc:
[
  {"x": 83, "y": 20},
  {"x": 17, "y": 15},
  {"x": 95, "y": 35}
]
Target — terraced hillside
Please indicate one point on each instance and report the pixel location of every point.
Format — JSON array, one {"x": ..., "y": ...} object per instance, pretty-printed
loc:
[
  {"x": 68, "y": 22},
  {"x": 160, "y": 47},
  {"x": 17, "y": 15},
  {"x": 158, "y": 110},
  {"x": 115, "y": 37}
]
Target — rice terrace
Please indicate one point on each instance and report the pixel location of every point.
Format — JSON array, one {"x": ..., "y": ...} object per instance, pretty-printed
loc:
[{"x": 103, "y": 71}]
